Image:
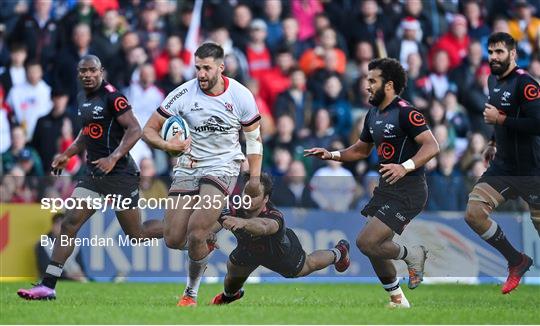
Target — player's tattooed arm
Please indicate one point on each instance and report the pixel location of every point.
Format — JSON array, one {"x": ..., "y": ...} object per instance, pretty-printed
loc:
[
  {"x": 256, "y": 226},
  {"x": 131, "y": 135},
  {"x": 357, "y": 151},
  {"x": 60, "y": 160}
]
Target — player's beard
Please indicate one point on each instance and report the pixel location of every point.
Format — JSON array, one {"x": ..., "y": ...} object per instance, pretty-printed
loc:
[
  {"x": 501, "y": 68},
  {"x": 210, "y": 82},
  {"x": 377, "y": 98}
]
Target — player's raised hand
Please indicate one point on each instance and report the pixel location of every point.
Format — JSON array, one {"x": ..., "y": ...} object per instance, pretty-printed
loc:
[
  {"x": 59, "y": 163},
  {"x": 392, "y": 172},
  {"x": 492, "y": 115},
  {"x": 105, "y": 164},
  {"x": 177, "y": 146},
  {"x": 321, "y": 153},
  {"x": 233, "y": 223}
]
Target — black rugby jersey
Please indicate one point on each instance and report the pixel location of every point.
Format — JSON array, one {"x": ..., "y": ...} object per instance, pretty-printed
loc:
[
  {"x": 273, "y": 245},
  {"x": 101, "y": 131},
  {"x": 518, "y": 141},
  {"x": 393, "y": 130}
]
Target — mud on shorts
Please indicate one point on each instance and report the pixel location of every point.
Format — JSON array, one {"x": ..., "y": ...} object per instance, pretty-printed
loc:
[
  {"x": 187, "y": 181},
  {"x": 288, "y": 264},
  {"x": 397, "y": 206},
  {"x": 124, "y": 185}
]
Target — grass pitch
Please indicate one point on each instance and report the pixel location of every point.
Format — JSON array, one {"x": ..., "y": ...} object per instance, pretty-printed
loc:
[{"x": 297, "y": 303}]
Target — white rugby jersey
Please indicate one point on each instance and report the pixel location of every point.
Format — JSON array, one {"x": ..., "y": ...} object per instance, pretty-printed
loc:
[{"x": 214, "y": 121}]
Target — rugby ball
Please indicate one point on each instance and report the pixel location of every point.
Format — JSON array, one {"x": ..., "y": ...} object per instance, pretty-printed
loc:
[{"x": 173, "y": 126}]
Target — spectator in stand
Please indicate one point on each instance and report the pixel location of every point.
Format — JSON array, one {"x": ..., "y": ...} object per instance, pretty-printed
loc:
[
  {"x": 137, "y": 58},
  {"x": 107, "y": 39},
  {"x": 15, "y": 180},
  {"x": 446, "y": 185},
  {"x": 278, "y": 79},
  {"x": 144, "y": 97},
  {"x": 272, "y": 17},
  {"x": 465, "y": 74},
  {"x": 119, "y": 68},
  {"x": 240, "y": 30},
  {"x": 268, "y": 126},
  {"x": 66, "y": 139},
  {"x": 296, "y": 102},
  {"x": 304, "y": 11},
  {"x": 6, "y": 121},
  {"x": 32, "y": 99},
  {"x": 408, "y": 41},
  {"x": 336, "y": 102},
  {"x": 313, "y": 59},
  {"x": 320, "y": 75},
  {"x": 258, "y": 55},
  {"x": 454, "y": 42},
  {"x": 477, "y": 144},
  {"x": 442, "y": 135},
  {"x": 151, "y": 186},
  {"x": 15, "y": 73},
  {"x": 290, "y": 37},
  {"x": 322, "y": 22},
  {"x": 333, "y": 187},
  {"x": 458, "y": 121},
  {"x": 174, "y": 77},
  {"x": 65, "y": 73},
  {"x": 173, "y": 49},
  {"x": 323, "y": 135},
  {"x": 359, "y": 95},
  {"x": 281, "y": 160},
  {"x": 415, "y": 9},
  {"x": 292, "y": 189},
  {"x": 236, "y": 65},
  {"x": 39, "y": 32},
  {"x": 19, "y": 151},
  {"x": 478, "y": 29},
  {"x": 151, "y": 30},
  {"x": 474, "y": 101},
  {"x": 82, "y": 13},
  {"x": 416, "y": 82},
  {"x": 49, "y": 128},
  {"x": 284, "y": 138},
  {"x": 525, "y": 30},
  {"x": 438, "y": 83},
  {"x": 358, "y": 66},
  {"x": 368, "y": 25}
]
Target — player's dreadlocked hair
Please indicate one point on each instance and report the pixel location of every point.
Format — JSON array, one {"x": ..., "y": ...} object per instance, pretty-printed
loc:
[
  {"x": 391, "y": 70},
  {"x": 266, "y": 181},
  {"x": 210, "y": 49},
  {"x": 504, "y": 38}
]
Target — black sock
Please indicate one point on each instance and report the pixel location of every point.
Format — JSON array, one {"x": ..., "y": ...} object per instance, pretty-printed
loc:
[
  {"x": 54, "y": 271},
  {"x": 499, "y": 242}
]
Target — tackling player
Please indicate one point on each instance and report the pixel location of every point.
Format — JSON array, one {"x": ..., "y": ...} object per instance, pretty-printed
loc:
[
  {"x": 110, "y": 130},
  {"x": 513, "y": 109},
  {"x": 404, "y": 144},
  {"x": 216, "y": 108},
  {"x": 263, "y": 240}
]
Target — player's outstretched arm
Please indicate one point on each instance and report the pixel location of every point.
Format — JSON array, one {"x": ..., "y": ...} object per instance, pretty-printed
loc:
[
  {"x": 131, "y": 135},
  {"x": 254, "y": 154},
  {"x": 257, "y": 226},
  {"x": 357, "y": 151}
]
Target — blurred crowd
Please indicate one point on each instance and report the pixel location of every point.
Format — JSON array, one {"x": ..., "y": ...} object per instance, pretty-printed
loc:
[{"x": 304, "y": 60}]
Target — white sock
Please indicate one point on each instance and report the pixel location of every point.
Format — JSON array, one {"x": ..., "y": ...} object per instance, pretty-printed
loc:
[
  {"x": 393, "y": 288},
  {"x": 195, "y": 272},
  {"x": 231, "y": 295},
  {"x": 402, "y": 252},
  {"x": 337, "y": 253}
]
